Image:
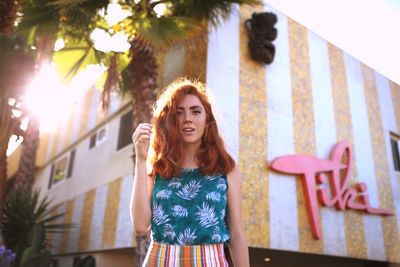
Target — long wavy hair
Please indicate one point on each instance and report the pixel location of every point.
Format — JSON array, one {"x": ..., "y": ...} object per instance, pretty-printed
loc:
[{"x": 165, "y": 155}]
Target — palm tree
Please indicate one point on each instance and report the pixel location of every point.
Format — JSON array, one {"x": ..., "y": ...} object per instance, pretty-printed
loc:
[
  {"x": 43, "y": 27},
  {"x": 8, "y": 14},
  {"x": 16, "y": 69},
  {"x": 134, "y": 72},
  {"x": 23, "y": 212}
]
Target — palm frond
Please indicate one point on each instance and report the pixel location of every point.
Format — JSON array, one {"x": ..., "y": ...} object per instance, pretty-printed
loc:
[
  {"x": 160, "y": 32},
  {"x": 22, "y": 209},
  {"x": 74, "y": 58},
  {"x": 86, "y": 4},
  {"x": 111, "y": 79},
  {"x": 51, "y": 210},
  {"x": 59, "y": 227},
  {"x": 213, "y": 11},
  {"x": 78, "y": 22},
  {"x": 40, "y": 14},
  {"x": 50, "y": 218}
]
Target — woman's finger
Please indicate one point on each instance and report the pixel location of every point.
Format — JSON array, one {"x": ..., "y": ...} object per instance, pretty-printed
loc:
[
  {"x": 140, "y": 132},
  {"x": 144, "y": 126},
  {"x": 143, "y": 138}
]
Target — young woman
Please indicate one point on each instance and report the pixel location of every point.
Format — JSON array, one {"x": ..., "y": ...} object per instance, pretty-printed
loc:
[{"x": 187, "y": 188}]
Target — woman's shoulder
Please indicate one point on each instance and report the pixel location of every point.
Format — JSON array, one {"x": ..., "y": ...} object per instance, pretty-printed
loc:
[
  {"x": 234, "y": 174},
  {"x": 235, "y": 170}
]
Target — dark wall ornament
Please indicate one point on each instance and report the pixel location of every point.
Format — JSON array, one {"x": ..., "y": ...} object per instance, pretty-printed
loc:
[{"x": 261, "y": 31}]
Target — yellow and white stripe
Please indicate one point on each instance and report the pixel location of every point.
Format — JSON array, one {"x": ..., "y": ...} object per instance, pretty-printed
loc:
[
  {"x": 363, "y": 156},
  {"x": 389, "y": 125},
  {"x": 334, "y": 242},
  {"x": 96, "y": 228},
  {"x": 381, "y": 175},
  {"x": 282, "y": 188},
  {"x": 253, "y": 140}
]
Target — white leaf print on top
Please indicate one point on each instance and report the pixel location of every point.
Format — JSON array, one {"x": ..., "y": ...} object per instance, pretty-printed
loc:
[
  {"x": 214, "y": 196},
  {"x": 159, "y": 215},
  {"x": 169, "y": 231},
  {"x": 189, "y": 191},
  {"x": 175, "y": 183},
  {"x": 179, "y": 211},
  {"x": 206, "y": 216},
  {"x": 216, "y": 235},
  {"x": 211, "y": 177},
  {"x": 164, "y": 194},
  {"x": 221, "y": 184},
  {"x": 187, "y": 237},
  {"x": 222, "y": 214}
]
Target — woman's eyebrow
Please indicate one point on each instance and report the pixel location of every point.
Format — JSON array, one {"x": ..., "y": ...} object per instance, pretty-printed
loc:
[
  {"x": 195, "y": 107},
  {"x": 191, "y": 108}
]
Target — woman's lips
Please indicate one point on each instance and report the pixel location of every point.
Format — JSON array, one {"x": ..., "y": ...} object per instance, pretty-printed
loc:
[{"x": 188, "y": 130}]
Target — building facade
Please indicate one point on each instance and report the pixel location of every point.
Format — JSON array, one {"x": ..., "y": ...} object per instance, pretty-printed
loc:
[{"x": 311, "y": 97}]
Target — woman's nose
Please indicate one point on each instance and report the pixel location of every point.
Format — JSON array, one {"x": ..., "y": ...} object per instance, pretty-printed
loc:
[{"x": 187, "y": 117}]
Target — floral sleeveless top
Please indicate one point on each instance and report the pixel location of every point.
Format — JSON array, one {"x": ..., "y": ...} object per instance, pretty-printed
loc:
[{"x": 190, "y": 209}]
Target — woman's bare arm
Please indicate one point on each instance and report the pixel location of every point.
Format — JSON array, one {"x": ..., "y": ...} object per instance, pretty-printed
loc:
[
  {"x": 238, "y": 242},
  {"x": 140, "y": 204}
]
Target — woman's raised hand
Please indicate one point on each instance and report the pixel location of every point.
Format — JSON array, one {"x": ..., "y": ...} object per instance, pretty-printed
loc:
[{"x": 141, "y": 140}]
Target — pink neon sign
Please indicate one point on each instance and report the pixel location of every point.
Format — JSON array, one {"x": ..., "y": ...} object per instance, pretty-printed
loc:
[{"x": 333, "y": 172}]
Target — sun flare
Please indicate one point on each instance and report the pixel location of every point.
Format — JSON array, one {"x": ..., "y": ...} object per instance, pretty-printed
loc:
[{"x": 51, "y": 101}]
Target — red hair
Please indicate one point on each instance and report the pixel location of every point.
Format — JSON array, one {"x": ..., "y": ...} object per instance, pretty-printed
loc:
[{"x": 166, "y": 143}]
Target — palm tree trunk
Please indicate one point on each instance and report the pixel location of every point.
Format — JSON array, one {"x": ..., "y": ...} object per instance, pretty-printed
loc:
[
  {"x": 4, "y": 137},
  {"x": 143, "y": 71},
  {"x": 8, "y": 14},
  {"x": 8, "y": 126},
  {"x": 27, "y": 165},
  {"x": 3, "y": 182}
]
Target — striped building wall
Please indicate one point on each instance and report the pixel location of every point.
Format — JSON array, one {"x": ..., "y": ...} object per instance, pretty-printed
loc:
[
  {"x": 101, "y": 218},
  {"x": 311, "y": 97}
]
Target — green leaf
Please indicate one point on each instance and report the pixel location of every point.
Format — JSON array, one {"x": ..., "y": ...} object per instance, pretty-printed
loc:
[
  {"x": 22, "y": 209},
  {"x": 69, "y": 61},
  {"x": 161, "y": 32},
  {"x": 38, "y": 14},
  {"x": 213, "y": 11},
  {"x": 123, "y": 60}
]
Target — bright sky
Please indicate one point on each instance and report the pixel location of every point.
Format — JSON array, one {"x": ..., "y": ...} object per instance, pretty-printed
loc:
[{"x": 366, "y": 29}]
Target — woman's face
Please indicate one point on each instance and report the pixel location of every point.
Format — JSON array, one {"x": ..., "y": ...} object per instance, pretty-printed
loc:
[{"x": 191, "y": 117}]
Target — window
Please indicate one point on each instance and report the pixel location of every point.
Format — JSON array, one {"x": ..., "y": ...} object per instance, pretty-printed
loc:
[
  {"x": 77, "y": 261},
  {"x": 125, "y": 130},
  {"x": 59, "y": 170},
  {"x": 62, "y": 168},
  {"x": 71, "y": 164},
  {"x": 54, "y": 263},
  {"x": 395, "y": 141},
  {"x": 98, "y": 138}
]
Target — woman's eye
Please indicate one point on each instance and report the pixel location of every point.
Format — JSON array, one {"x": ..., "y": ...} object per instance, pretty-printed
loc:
[{"x": 196, "y": 111}]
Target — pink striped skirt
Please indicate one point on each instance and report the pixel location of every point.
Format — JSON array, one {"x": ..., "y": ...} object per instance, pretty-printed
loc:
[{"x": 165, "y": 255}]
